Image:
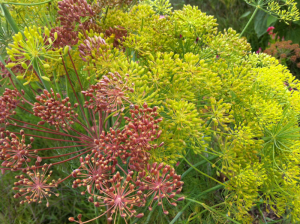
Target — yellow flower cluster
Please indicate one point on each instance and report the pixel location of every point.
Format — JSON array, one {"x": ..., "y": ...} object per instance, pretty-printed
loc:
[
  {"x": 216, "y": 98},
  {"x": 31, "y": 49}
]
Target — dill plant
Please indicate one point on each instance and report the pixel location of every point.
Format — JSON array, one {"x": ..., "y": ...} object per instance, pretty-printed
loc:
[{"x": 127, "y": 105}]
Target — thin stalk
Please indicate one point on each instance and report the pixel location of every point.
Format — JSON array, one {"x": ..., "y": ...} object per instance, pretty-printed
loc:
[
  {"x": 39, "y": 74},
  {"x": 9, "y": 18},
  {"x": 31, "y": 124},
  {"x": 49, "y": 132},
  {"x": 25, "y": 109},
  {"x": 202, "y": 172},
  {"x": 82, "y": 111},
  {"x": 53, "y": 157},
  {"x": 217, "y": 187},
  {"x": 37, "y": 167},
  {"x": 75, "y": 71},
  {"x": 210, "y": 208},
  {"x": 62, "y": 147},
  {"x": 70, "y": 158},
  {"x": 198, "y": 164},
  {"x": 64, "y": 179},
  {"x": 250, "y": 20},
  {"x": 54, "y": 139},
  {"x": 190, "y": 219},
  {"x": 27, "y": 4}
]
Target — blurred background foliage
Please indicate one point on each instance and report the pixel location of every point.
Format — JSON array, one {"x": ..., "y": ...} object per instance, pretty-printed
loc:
[{"x": 236, "y": 13}]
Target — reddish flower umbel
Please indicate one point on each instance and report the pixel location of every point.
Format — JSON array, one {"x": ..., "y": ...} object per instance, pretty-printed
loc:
[
  {"x": 120, "y": 196},
  {"x": 141, "y": 130},
  {"x": 92, "y": 47},
  {"x": 64, "y": 37},
  {"x": 94, "y": 171},
  {"x": 35, "y": 188},
  {"x": 111, "y": 144},
  {"x": 13, "y": 150},
  {"x": 8, "y": 103},
  {"x": 119, "y": 33},
  {"x": 72, "y": 10},
  {"x": 162, "y": 182},
  {"x": 108, "y": 94},
  {"x": 54, "y": 110}
]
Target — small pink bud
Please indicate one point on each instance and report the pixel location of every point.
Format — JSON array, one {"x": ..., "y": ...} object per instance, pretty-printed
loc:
[
  {"x": 140, "y": 215},
  {"x": 181, "y": 199}
]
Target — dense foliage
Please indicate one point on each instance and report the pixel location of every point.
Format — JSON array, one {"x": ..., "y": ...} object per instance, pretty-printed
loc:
[{"x": 124, "y": 102}]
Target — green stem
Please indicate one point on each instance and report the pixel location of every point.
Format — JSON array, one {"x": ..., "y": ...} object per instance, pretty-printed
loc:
[
  {"x": 9, "y": 18},
  {"x": 187, "y": 205},
  {"x": 26, "y": 4},
  {"x": 210, "y": 208},
  {"x": 198, "y": 164},
  {"x": 38, "y": 71},
  {"x": 203, "y": 212},
  {"x": 204, "y": 174},
  {"x": 250, "y": 20}
]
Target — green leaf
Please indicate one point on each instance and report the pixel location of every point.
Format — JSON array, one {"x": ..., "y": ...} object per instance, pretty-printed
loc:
[
  {"x": 245, "y": 14},
  {"x": 271, "y": 20},
  {"x": 260, "y": 23}
]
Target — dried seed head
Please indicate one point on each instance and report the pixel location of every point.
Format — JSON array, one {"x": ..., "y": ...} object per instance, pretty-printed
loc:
[
  {"x": 8, "y": 103},
  {"x": 162, "y": 182},
  {"x": 54, "y": 110},
  {"x": 35, "y": 187},
  {"x": 71, "y": 11},
  {"x": 108, "y": 94},
  {"x": 14, "y": 151}
]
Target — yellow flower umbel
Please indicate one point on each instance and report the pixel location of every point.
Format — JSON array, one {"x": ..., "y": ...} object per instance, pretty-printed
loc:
[
  {"x": 31, "y": 50},
  {"x": 276, "y": 8},
  {"x": 161, "y": 7}
]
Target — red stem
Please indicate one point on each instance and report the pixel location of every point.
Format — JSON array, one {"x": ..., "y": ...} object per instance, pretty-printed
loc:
[
  {"x": 52, "y": 157},
  {"x": 25, "y": 109},
  {"x": 19, "y": 91},
  {"x": 63, "y": 147},
  {"x": 50, "y": 132},
  {"x": 71, "y": 158},
  {"x": 56, "y": 139},
  {"x": 34, "y": 125},
  {"x": 82, "y": 111},
  {"x": 76, "y": 72},
  {"x": 64, "y": 179}
]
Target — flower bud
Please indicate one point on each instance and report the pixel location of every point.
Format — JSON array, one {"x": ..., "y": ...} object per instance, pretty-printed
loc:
[
  {"x": 24, "y": 65},
  {"x": 46, "y": 31},
  {"x": 140, "y": 215},
  {"x": 20, "y": 77},
  {"x": 10, "y": 65},
  {"x": 66, "y": 50},
  {"x": 45, "y": 78}
]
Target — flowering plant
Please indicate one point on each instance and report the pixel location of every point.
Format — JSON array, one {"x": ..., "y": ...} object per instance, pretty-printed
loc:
[{"x": 123, "y": 105}]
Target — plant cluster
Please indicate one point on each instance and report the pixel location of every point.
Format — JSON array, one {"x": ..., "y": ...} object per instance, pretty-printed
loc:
[
  {"x": 123, "y": 104},
  {"x": 286, "y": 52}
]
